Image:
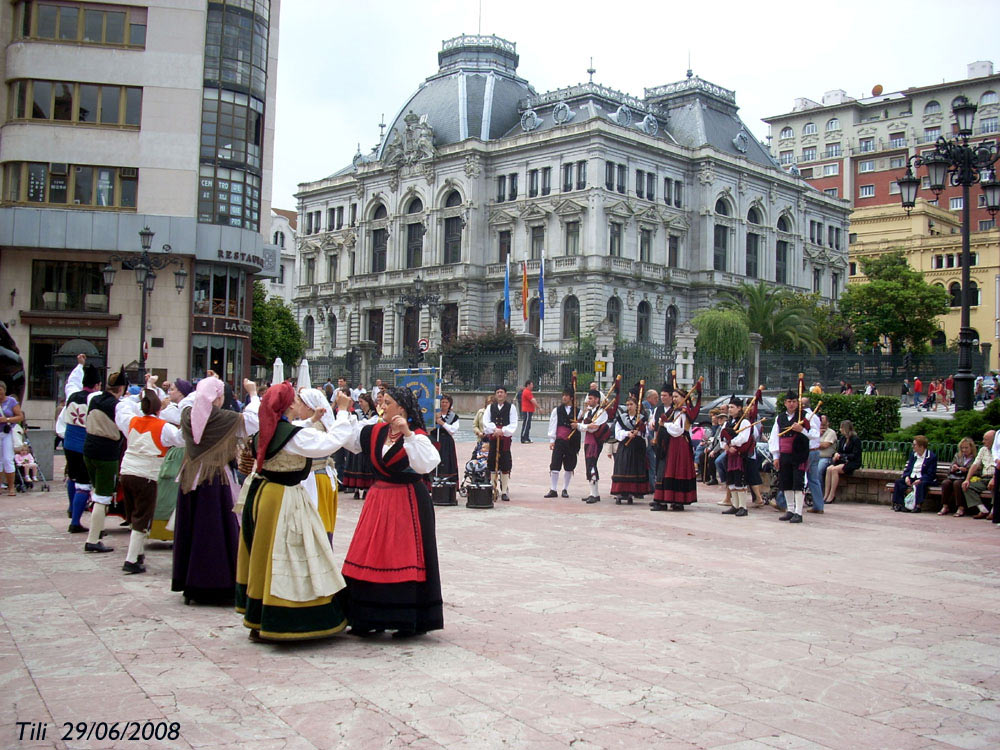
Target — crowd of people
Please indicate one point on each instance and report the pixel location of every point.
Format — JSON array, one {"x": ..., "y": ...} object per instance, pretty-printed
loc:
[{"x": 248, "y": 491}]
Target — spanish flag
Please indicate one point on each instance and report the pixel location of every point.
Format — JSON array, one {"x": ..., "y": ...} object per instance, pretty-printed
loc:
[{"x": 524, "y": 288}]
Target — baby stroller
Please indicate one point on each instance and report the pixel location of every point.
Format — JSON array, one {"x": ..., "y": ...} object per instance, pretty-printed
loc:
[
  {"x": 769, "y": 489},
  {"x": 475, "y": 470},
  {"x": 22, "y": 482}
]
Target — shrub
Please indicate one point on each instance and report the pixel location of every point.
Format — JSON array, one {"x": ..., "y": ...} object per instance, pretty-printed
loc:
[
  {"x": 873, "y": 416},
  {"x": 949, "y": 431}
]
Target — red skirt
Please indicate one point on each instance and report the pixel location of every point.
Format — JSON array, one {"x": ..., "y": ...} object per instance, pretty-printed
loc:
[
  {"x": 387, "y": 546},
  {"x": 678, "y": 484}
]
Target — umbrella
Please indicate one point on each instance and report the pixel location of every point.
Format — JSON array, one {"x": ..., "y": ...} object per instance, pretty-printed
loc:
[
  {"x": 279, "y": 372},
  {"x": 304, "y": 380}
]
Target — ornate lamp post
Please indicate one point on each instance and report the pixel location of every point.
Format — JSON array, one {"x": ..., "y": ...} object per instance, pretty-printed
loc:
[
  {"x": 957, "y": 162},
  {"x": 145, "y": 266},
  {"x": 417, "y": 299}
]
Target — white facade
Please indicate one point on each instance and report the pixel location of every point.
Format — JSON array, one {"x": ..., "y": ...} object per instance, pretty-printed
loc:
[
  {"x": 281, "y": 235},
  {"x": 640, "y": 250}
]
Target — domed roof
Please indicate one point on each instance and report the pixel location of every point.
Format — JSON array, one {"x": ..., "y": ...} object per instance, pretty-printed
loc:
[{"x": 474, "y": 94}]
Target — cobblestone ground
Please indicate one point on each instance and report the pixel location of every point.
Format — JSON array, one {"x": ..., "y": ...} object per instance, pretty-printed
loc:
[{"x": 592, "y": 626}]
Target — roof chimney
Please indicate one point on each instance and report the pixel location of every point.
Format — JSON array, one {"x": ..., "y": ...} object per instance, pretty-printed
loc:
[{"x": 980, "y": 68}]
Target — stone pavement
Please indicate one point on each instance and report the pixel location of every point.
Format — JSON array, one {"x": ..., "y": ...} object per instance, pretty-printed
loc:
[{"x": 597, "y": 626}]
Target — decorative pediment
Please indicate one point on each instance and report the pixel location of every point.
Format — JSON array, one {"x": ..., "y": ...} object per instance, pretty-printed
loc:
[
  {"x": 499, "y": 216},
  {"x": 535, "y": 212},
  {"x": 569, "y": 207},
  {"x": 310, "y": 247},
  {"x": 677, "y": 223},
  {"x": 650, "y": 215},
  {"x": 620, "y": 209}
]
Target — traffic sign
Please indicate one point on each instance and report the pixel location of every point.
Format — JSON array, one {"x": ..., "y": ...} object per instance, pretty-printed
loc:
[
  {"x": 600, "y": 365},
  {"x": 423, "y": 344}
]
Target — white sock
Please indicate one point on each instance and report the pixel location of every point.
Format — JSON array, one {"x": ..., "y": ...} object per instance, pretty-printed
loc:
[
  {"x": 97, "y": 516},
  {"x": 593, "y": 488},
  {"x": 799, "y": 502},
  {"x": 553, "y": 480},
  {"x": 567, "y": 475},
  {"x": 736, "y": 498},
  {"x": 982, "y": 508},
  {"x": 136, "y": 541},
  {"x": 504, "y": 482}
]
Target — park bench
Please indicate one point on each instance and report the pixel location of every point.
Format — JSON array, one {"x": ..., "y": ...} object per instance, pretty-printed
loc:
[{"x": 932, "y": 501}]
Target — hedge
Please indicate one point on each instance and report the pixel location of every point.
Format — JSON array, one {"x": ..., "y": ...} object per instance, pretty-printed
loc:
[
  {"x": 963, "y": 424},
  {"x": 872, "y": 416}
]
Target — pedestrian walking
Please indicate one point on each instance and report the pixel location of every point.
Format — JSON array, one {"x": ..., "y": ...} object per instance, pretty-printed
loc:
[{"x": 528, "y": 406}]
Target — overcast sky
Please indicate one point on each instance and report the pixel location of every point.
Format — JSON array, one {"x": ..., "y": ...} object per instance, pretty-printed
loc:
[{"x": 343, "y": 64}]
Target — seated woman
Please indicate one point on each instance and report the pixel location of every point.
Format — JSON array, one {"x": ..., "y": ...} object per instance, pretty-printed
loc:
[
  {"x": 919, "y": 474},
  {"x": 952, "y": 492},
  {"x": 846, "y": 460}
]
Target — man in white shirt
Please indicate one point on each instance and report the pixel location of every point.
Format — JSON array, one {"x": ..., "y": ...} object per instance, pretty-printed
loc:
[
  {"x": 499, "y": 425},
  {"x": 564, "y": 442},
  {"x": 589, "y": 422}
]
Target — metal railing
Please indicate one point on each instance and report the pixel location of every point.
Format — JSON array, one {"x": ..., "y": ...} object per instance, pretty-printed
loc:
[{"x": 880, "y": 454}]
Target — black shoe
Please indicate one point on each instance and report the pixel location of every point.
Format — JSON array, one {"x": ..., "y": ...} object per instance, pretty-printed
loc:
[
  {"x": 75, "y": 528},
  {"x": 99, "y": 547},
  {"x": 629, "y": 499},
  {"x": 657, "y": 506},
  {"x": 916, "y": 509},
  {"x": 125, "y": 523},
  {"x": 796, "y": 518},
  {"x": 730, "y": 512},
  {"x": 133, "y": 567},
  {"x": 406, "y": 633},
  {"x": 565, "y": 493},
  {"x": 741, "y": 512},
  {"x": 896, "y": 508},
  {"x": 677, "y": 506},
  {"x": 505, "y": 498},
  {"x": 618, "y": 501},
  {"x": 528, "y": 440},
  {"x": 788, "y": 516},
  {"x": 551, "y": 493},
  {"x": 586, "y": 499},
  {"x": 593, "y": 499},
  {"x": 711, "y": 482},
  {"x": 141, "y": 559}
]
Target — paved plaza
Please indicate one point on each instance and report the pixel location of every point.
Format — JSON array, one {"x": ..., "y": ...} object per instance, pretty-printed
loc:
[{"x": 566, "y": 625}]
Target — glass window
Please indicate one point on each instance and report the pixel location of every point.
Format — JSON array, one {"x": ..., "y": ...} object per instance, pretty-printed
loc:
[
  {"x": 643, "y": 318},
  {"x": 109, "y": 104},
  {"x": 786, "y": 133},
  {"x": 233, "y": 297},
  {"x": 572, "y": 238},
  {"x": 678, "y": 186},
  {"x": 567, "y": 177},
  {"x": 414, "y": 245},
  {"x": 753, "y": 245},
  {"x": 721, "y": 246},
  {"x": 114, "y": 30},
  {"x": 546, "y": 181},
  {"x": 220, "y": 275},
  {"x": 129, "y": 189},
  {"x": 93, "y": 26},
  {"x": 571, "y": 317},
  {"x": 931, "y": 107},
  {"x": 809, "y": 128},
  {"x": 105, "y": 186},
  {"x": 622, "y": 177},
  {"x": 537, "y": 242},
  {"x": 87, "y": 109},
  {"x": 68, "y": 285},
  {"x": 453, "y": 240},
  {"x": 581, "y": 175},
  {"x": 137, "y": 34},
  {"x": 58, "y": 184},
  {"x": 202, "y": 289},
  {"x": 133, "y": 105},
  {"x": 47, "y": 18},
  {"x": 645, "y": 244},
  {"x": 673, "y": 251},
  {"x": 609, "y": 175},
  {"x": 84, "y": 185},
  {"x": 37, "y": 174},
  {"x": 68, "y": 19},
  {"x": 614, "y": 312},
  {"x": 380, "y": 242},
  {"x": 833, "y": 124},
  {"x": 615, "y": 244},
  {"x": 62, "y": 106},
  {"x": 41, "y": 108}
]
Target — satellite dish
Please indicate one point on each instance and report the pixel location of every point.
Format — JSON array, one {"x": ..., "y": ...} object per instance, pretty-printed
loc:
[{"x": 877, "y": 90}]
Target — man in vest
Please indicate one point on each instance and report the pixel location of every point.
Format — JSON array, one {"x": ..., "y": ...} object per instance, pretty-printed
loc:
[
  {"x": 75, "y": 417},
  {"x": 564, "y": 443},
  {"x": 590, "y": 420},
  {"x": 791, "y": 455},
  {"x": 499, "y": 426},
  {"x": 102, "y": 450}
]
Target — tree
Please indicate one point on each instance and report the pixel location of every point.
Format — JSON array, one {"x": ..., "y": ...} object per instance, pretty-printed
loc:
[
  {"x": 832, "y": 327},
  {"x": 275, "y": 332},
  {"x": 722, "y": 334},
  {"x": 895, "y": 302},
  {"x": 781, "y": 319}
]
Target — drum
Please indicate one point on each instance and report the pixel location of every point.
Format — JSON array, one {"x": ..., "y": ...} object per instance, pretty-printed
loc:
[
  {"x": 443, "y": 494},
  {"x": 480, "y": 496}
]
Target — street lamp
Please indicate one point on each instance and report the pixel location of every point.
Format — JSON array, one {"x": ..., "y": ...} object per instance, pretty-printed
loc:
[
  {"x": 145, "y": 266},
  {"x": 418, "y": 299},
  {"x": 957, "y": 162}
]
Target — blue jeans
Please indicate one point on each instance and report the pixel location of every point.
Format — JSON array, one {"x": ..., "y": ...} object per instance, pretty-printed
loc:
[
  {"x": 916, "y": 399},
  {"x": 812, "y": 478},
  {"x": 526, "y": 425},
  {"x": 651, "y": 465},
  {"x": 720, "y": 467},
  {"x": 823, "y": 465}
]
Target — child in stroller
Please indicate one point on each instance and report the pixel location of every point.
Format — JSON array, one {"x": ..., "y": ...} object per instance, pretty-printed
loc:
[{"x": 475, "y": 469}]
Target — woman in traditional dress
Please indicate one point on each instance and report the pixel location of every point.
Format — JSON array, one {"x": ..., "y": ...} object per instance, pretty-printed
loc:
[
  {"x": 677, "y": 486},
  {"x": 321, "y": 483},
  {"x": 149, "y": 437},
  {"x": 358, "y": 468},
  {"x": 206, "y": 534},
  {"x": 446, "y": 424},
  {"x": 180, "y": 396},
  {"x": 286, "y": 575},
  {"x": 631, "y": 476},
  {"x": 391, "y": 567}
]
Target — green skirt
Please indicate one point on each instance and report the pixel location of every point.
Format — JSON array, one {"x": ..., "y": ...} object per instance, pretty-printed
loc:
[{"x": 166, "y": 494}]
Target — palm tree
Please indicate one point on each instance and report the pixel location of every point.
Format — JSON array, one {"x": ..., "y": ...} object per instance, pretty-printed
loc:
[{"x": 782, "y": 322}]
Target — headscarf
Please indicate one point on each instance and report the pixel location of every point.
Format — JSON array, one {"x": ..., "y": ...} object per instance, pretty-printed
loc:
[
  {"x": 272, "y": 408},
  {"x": 184, "y": 386},
  {"x": 315, "y": 399},
  {"x": 207, "y": 391}
]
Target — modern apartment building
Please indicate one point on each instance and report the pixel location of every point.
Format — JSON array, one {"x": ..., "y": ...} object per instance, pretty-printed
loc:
[{"x": 115, "y": 116}]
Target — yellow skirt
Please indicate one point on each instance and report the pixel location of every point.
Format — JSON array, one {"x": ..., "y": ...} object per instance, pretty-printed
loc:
[
  {"x": 275, "y": 618},
  {"x": 327, "y": 495}
]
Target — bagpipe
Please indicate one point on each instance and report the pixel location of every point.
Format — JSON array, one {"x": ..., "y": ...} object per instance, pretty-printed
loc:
[
  {"x": 749, "y": 413},
  {"x": 801, "y": 418},
  {"x": 604, "y": 432},
  {"x": 690, "y": 411},
  {"x": 640, "y": 424}
]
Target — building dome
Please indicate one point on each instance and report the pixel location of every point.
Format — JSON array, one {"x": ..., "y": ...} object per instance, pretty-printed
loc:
[{"x": 474, "y": 94}]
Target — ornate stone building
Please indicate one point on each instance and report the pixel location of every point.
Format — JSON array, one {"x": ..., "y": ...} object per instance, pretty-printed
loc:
[{"x": 641, "y": 210}]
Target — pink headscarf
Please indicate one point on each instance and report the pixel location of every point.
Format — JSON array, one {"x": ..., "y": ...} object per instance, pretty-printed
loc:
[{"x": 207, "y": 390}]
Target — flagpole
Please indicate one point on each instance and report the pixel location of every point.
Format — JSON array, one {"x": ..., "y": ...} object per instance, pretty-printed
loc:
[{"x": 541, "y": 300}]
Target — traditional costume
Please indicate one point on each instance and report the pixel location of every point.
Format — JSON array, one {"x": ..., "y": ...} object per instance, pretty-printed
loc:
[
  {"x": 737, "y": 434},
  {"x": 499, "y": 425},
  {"x": 358, "y": 474},
  {"x": 287, "y": 577},
  {"x": 391, "y": 567},
  {"x": 565, "y": 445},
  {"x": 75, "y": 417},
  {"x": 631, "y": 477},
  {"x": 446, "y": 472},
  {"x": 170, "y": 466},
  {"x": 321, "y": 484},
  {"x": 792, "y": 450},
  {"x": 589, "y": 421},
  {"x": 102, "y": 450},
  {"x": 206, "y": 534},
  {"x": 677, "y": 485}
]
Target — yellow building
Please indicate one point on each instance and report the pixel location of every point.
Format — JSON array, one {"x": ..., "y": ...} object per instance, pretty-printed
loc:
[{"x": 930, "y": 238}]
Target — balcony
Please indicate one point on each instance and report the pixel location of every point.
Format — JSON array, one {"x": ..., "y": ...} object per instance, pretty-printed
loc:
[{"x": 928, "y": 138}]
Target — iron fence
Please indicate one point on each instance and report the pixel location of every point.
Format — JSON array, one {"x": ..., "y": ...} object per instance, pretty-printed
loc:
[
  {"x": 778, "y": 369},
  {"x": 880, "y": 454},
  {"x": 483, "y": 371}
]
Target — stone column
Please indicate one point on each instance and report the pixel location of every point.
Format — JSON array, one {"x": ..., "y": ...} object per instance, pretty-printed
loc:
[
  {"x": 986, "y": 347},
  {"x": 754, "y": 374},
  {"x": 684, "y": 346},
  {"x": 367, "y": 349},
  {"x": 524, "y": 342}
]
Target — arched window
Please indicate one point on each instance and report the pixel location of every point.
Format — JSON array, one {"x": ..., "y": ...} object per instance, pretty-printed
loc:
[
  {"x": 671, "y": 328},
  {"x": 783, "y": 225},
  {"x": 500, "y": 322},
  {"x": 643, "y": 319},
  {"x": 988, "y": 97},
  {"x": 534, "y": 325},
  {"x": 957, "y": 100},
  {"x": 932, "y": 107},
  {"x": 955, "y": 292},
  {"x": 309, "y": 328},
  {"x": 722, "y": 207},
  {"x": 571, "y": 317},
  {"x": 753, "y": 215},
  {"x": 615, "y": 314},
  {"x": 939, "y": 340},
  {"x": 279, "y": 239},
  {"x": 809, "y": 128},
  {"x": 331, "y": 320},
  {"x": 786, "y": 133},
  {"x": 754, "y": 242},
  {"x": 453, "y": 199},
  {"x": 832, "y": 124},
  {"x": 380, "y": 212},
  {"x": 415, "y": 206},
  {"x": 973, "y": 294}
]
